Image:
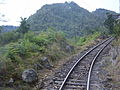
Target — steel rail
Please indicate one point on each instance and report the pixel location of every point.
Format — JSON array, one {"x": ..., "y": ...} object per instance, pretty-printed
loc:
[
  {"x": 92, "y": 64},
  {"x": 63, "y": 83}
]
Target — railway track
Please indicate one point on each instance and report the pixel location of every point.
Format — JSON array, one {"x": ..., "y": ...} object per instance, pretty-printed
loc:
[{"x": 78, "y": 75}]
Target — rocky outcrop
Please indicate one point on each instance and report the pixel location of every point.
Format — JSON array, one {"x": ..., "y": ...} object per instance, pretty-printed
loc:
[{"x": 111, "y": 65}]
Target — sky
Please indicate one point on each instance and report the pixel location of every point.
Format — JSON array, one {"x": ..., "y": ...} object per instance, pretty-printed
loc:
[{"x": 12, "y": 10}]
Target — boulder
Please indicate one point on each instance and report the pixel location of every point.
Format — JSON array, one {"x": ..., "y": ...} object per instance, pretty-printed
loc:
[{"x": 29, "y": 76}]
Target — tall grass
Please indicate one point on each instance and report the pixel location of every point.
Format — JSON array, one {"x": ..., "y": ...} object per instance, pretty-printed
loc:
[{"x": 80, "y": 41}]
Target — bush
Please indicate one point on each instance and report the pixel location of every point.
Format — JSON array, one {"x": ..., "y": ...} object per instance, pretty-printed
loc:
[
  {"x": 29, "y": 36},
  {"x": 117, "y": 28},
  {"x": 8, "y": 37},
  {"x": 16, "y": 49},
  {"x": 30, "y": 46},
  {"x": 9, "y": 69},
  {"x": 84, "y": 40}
]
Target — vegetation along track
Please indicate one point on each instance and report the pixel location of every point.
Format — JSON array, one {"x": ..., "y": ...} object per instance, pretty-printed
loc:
[{"x": 78, "y": 76}]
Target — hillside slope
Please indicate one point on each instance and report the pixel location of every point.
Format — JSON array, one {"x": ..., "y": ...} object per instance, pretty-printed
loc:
[{"x": 68, "y": 17}]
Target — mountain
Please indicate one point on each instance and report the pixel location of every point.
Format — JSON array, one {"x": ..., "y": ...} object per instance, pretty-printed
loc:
[
  {"x": 101, "y": 13},
  {"x": 8, "y": 28},
  {"x": 68, "y": 17}
]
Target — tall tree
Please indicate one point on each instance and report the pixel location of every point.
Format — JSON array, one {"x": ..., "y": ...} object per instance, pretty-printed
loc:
[
  {"x": 109, "y": 23},
  {"x": 24, "y": 26},
  {"x": 1, "y": 29},
  {"x": 117, "y": 28}
]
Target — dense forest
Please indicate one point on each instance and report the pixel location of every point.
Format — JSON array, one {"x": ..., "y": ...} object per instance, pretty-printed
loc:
[{"x": 69, "y": 18}]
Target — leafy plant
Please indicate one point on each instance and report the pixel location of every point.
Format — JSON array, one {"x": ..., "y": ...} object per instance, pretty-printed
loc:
[{"x": 24, "y": 26}]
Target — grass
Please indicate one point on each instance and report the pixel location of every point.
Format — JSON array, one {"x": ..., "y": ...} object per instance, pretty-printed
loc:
[
  {"x": 18, "y": 56},
  {"x": 80, "y": 41},
  {"x": 116, "y": 42}
]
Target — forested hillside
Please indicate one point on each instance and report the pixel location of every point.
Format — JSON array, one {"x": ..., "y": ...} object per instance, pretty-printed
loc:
[
  {"x": 68, "y": 17},
  {"x": 101, "y": 14}
]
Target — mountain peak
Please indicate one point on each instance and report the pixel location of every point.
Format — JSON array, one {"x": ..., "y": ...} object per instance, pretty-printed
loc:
[
  {"x": 72, "y": 3},
  {"x": 66, "y": 4}
]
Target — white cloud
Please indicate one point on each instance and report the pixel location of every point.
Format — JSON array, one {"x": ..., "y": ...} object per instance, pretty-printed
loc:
[{"x": 14, "y": 9}]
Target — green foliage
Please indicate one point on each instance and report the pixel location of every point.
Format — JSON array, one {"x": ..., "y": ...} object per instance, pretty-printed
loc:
[
  {"x": 29, "y": 36},
  {"x": 1, "y": 29},
  {"x": 32, "y": 43},
  {"x": 117, "y": 28},
  {"x": 30, "y": 46},
  {"x": 17, "y": 56},
  {"x": 68, "y": 18},
  {"x": 24, "y": 26},
  {"x": 9, "y": 68},
  {"x": 109, "y": 23},
  {"x": 28, "y": 51},
  {"x": 15, "y": 49},
  {"x": 113, "y": 24},
  {"x": 85, "y": 40},
  {"x": 8, "y": 37},
  {"x": 88, "y": 38},
  {"x": 22, "y": 49},
  {"x": 41, "y": 39}
]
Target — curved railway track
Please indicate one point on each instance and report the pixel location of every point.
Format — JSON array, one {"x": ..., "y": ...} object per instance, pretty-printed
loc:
[{"x": 78, "y": 76}]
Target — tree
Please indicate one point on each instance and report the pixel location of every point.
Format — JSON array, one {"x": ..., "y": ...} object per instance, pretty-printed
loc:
[
  {"x": 1, "y": 29},
  {"x": 113, "y": 24},
  {"x": 117, "y": 28},
  {"x": 109, "y": 23},
  {"x": 24, "y": 26}
]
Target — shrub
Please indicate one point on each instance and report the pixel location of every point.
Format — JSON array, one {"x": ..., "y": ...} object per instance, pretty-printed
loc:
[
  {"x": 30, "y": 46},
  {"x": 16, "y": 49},
  {"x": 8, "y": 37}
]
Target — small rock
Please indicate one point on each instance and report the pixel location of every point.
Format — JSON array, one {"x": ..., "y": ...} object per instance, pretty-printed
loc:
[
  {"x": 69, "y": 48},
  {"x": 38, "y": 66},
  {"x": 46, "y": 63},
  {"x": 51, "y": 81},
  {"x": 29, "y": 76},
  {"x": 40, "y": 84},
  {"x": 108, "y": 85},
  {"x": 109, "y": 78},
  {"x": 103, "y": 37},
  {"x": 11, "y": 80}
]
